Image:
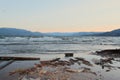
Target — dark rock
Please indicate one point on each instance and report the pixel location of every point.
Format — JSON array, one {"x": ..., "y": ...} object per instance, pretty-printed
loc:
[
  {"x": 78, "y": 58},
  {"x": 68, "y": 54},
  {"x": 57, "y": 59},
  {"x": 107, "y": 70},
  {"x": 109, "y": 53}
]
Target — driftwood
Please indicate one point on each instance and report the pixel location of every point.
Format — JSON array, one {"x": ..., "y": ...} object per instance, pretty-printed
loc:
[
  {"x": 6, "y": 60},
  {"x": 18, "y": 58}
]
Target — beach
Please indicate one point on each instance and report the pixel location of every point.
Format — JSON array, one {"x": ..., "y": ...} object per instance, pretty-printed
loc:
[
  {"x": 91, "y": 58},
  {"x": 84, "y": 67}
]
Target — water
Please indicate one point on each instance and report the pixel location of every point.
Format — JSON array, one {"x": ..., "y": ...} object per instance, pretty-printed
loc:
[
  {"x": 44, "y": 45},
  {"x": 52, "y": 47}
]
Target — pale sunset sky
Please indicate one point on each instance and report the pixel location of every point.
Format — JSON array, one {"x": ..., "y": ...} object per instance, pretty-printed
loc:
[{"x": 60, "y": 15}]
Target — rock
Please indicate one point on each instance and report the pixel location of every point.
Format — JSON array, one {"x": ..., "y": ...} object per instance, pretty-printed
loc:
[
  {"x": 42, "y": 72},
  {"x": 102, "y": 61},
  {"x": 109, "y": 52},
  {"x": 88, "y": 70},
  {"x": 80, "y": 59},
  {"x": 38, "y": 65},
  {"x": 96, "y": 61},
  {"x": 107, "y": 70},
  {"x": 45, "y": 63},
  {"x": 87, "y": 63},
  {"x": 73, "y": 70},
  {"x": 118, "y": 67},
  {"x": 68, "y": 54},
  {"x": 57, "y": 59},
  {"x": 107, "y": 60}
]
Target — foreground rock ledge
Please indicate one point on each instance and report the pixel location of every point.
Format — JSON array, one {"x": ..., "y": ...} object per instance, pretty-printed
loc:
[
  {"x": 76, "y": 68},
  {"x": 109, "y": 53}
]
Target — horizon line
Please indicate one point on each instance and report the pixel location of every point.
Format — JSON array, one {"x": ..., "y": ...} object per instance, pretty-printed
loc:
[{"x": 56, "y": 31}]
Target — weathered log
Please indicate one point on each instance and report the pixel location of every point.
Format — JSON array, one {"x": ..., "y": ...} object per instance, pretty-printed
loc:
[{"x": 18, "y": 58}]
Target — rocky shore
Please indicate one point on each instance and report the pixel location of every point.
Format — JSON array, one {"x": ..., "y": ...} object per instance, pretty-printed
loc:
[
  {"x": 74, "y": 68},
  {"x": 109, "y": 53}
]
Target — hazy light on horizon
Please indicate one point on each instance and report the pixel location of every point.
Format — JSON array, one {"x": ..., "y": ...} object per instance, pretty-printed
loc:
[{"x": 60, "y": 15}]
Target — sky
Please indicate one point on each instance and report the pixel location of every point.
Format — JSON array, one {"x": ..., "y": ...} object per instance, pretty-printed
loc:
[{"x": 60, "y": 15}]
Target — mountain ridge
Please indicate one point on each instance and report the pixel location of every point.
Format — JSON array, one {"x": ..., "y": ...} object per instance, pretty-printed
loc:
[
  {"x": 23, "y": 32},
  {"x": 115, "y": 32},
  {"x": 18, "y": 32}
]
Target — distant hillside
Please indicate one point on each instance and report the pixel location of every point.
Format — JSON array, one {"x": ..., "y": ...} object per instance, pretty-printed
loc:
[
  {"x": 17, "y": 32},
  {"x": 111, "y": 33},
  {"x": 22, "y": 32},
  {"x": 86, "y": 33},
  {"x": 59, "y": 34},
  {"x": 71, "y": 33}
]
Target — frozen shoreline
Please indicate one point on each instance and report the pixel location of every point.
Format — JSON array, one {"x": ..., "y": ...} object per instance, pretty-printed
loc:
[{"x": 79, "y": 67}]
